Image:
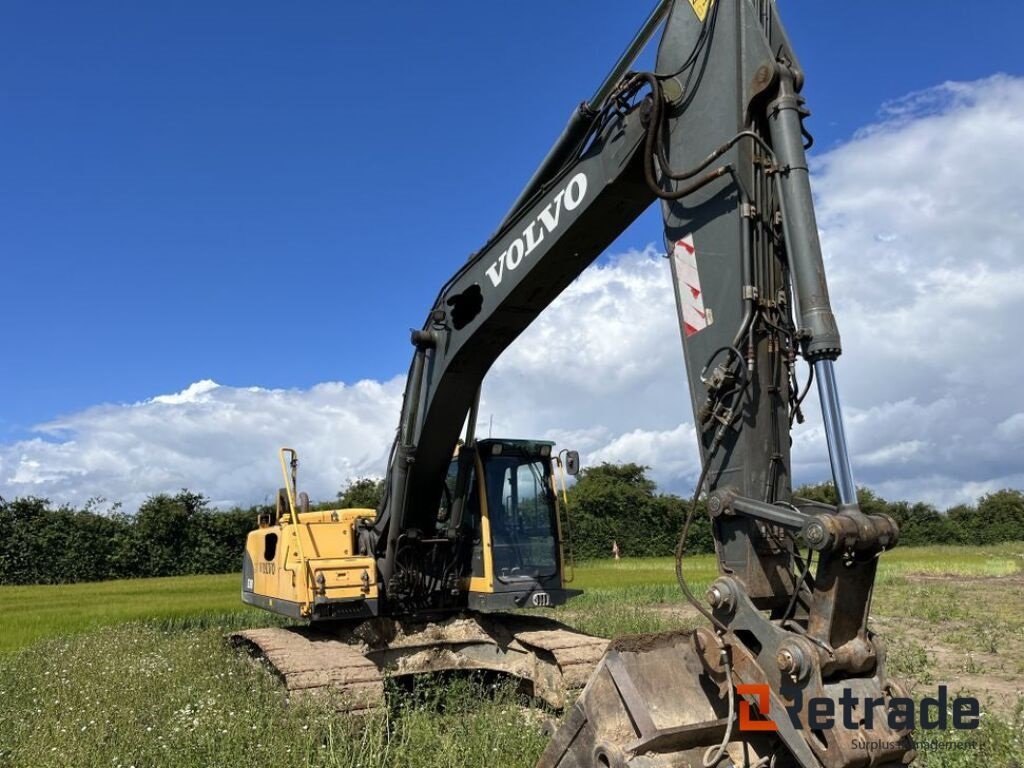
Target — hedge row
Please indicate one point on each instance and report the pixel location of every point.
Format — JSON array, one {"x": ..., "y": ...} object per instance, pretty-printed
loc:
[
  {"x": 180, "y": 534},
  {"x": 618, "y": 503}
]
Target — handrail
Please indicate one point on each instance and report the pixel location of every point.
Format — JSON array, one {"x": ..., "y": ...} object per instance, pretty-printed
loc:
[
  {"x": 290, "y": 485},
  {"x": 571, "y": 559}
]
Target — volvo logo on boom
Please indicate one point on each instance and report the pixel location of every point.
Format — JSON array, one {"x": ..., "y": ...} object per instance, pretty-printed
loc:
[{"x": 568, "y": 199}]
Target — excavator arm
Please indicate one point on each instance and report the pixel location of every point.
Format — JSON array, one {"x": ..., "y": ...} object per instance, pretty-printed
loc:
[
  {"x": 495, "y": 296},
  {"x": 716, "y": 135}
]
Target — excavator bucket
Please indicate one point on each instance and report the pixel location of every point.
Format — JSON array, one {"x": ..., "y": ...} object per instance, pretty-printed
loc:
[
  {"x": 652, "y": 703},
  {"x": 352, "y": 659}
]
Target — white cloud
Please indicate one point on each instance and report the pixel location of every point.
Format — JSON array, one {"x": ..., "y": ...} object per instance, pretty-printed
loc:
[
  {"x": 672, "y": 451},
  {"x": 1012, "y": 429},
  {"x": 220, "y": 440},
  {"x": 922, "y": 231},
  {"x": 603, "y": 360}
]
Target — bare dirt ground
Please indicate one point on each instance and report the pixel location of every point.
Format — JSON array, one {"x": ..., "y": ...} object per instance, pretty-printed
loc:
[{"x": 966, "y": 633}]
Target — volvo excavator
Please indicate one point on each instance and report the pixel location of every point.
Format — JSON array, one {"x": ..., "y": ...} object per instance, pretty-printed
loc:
[{"x": 716, "y": 135}]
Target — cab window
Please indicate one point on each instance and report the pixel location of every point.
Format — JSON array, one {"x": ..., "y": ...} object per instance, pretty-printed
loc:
[{"x": 521, "y": 509}]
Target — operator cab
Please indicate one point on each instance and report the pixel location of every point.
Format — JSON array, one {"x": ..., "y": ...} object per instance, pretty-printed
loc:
[{"x": 512, "y": 523}]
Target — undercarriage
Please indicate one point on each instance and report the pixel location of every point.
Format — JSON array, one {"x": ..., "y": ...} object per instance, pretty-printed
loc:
[{"x": 352, "y": 659}]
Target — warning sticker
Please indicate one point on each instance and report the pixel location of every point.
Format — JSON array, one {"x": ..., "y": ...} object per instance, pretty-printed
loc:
[
  {"x": 700, "y": 7},
  {"x": 696, "y": 317}
]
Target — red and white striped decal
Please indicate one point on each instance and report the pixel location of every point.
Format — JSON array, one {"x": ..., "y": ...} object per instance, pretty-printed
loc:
[{"x": 695, "y": 317}]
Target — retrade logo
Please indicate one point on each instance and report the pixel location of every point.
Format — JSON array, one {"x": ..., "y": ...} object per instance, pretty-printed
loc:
[
  {"x": 762, "y": 693},
  {"x": 900, "y": 714}
]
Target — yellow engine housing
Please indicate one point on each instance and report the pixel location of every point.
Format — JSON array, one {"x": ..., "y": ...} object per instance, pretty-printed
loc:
[{"x": 298, "y": 569}]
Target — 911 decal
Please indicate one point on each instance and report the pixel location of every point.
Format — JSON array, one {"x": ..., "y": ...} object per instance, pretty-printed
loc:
[{"x": 696, "y": 317}]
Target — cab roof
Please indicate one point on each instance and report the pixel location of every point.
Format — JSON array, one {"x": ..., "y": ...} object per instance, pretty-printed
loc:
[
  {"x": 526, "y": 446},
  {"x": 515, "y": 442}
]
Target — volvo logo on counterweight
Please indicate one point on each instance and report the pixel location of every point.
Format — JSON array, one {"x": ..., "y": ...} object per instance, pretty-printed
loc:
[{"x": 568, "y": 198}]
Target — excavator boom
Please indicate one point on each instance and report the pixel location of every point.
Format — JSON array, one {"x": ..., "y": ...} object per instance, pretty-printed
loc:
[{"x": 716, "y": 135}]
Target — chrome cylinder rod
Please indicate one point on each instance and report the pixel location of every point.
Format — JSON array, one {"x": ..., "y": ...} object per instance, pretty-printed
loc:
[{"x": 835, "y": 432}]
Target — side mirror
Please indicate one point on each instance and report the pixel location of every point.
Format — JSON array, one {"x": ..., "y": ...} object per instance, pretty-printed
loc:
[{"x": 572, "y": 462}]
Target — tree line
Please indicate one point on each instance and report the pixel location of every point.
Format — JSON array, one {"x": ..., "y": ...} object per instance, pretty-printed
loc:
[
  {"x": 619, "y": 503},
  {"x": 181, "y": 534}
]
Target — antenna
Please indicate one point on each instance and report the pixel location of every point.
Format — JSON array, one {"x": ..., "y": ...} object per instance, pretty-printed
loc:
[{"x": 490, "y": 427}]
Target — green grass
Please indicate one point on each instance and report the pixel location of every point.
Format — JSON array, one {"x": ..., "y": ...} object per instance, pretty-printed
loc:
[
  {"x": 139, "y": 695},
  {"x": 632, "y": 572},
  {"x": 137, "y": 673},
  {"x": 143, "y": 695},
  {"x": 28, "y": 614},
  {"x": 968, "y": 562},
  {"x": 32, "y": 613}
]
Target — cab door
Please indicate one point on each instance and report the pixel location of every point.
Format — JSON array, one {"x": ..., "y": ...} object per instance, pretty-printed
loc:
[{"x": 521, "y": 518}]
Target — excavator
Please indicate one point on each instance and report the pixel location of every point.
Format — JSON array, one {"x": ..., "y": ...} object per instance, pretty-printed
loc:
[
  {"x": 494, "y": 543},
  {"x": 468, "y": 529}
]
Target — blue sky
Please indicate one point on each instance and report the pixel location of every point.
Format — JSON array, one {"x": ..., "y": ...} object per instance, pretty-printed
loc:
[
  {"x": 269, "y": 195},
  {"x": 265, "y": 193}
]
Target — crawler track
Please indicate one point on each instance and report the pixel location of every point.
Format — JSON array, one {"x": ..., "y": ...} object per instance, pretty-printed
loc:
[{"x": 353, "y": 658}]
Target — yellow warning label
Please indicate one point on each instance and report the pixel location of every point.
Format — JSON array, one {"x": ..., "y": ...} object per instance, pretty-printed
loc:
[{"x": 700, "y": 7}]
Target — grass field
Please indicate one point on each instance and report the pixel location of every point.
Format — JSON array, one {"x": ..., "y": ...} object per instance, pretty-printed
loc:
[
  {"x": 137, "y": 673},
  {"x": 28, "y": 614}
]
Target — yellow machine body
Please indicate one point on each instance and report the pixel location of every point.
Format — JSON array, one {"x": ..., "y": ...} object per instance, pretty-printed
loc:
[
  {"x": 306, "y": 564},
  {"x": 290, "y": 567}
]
